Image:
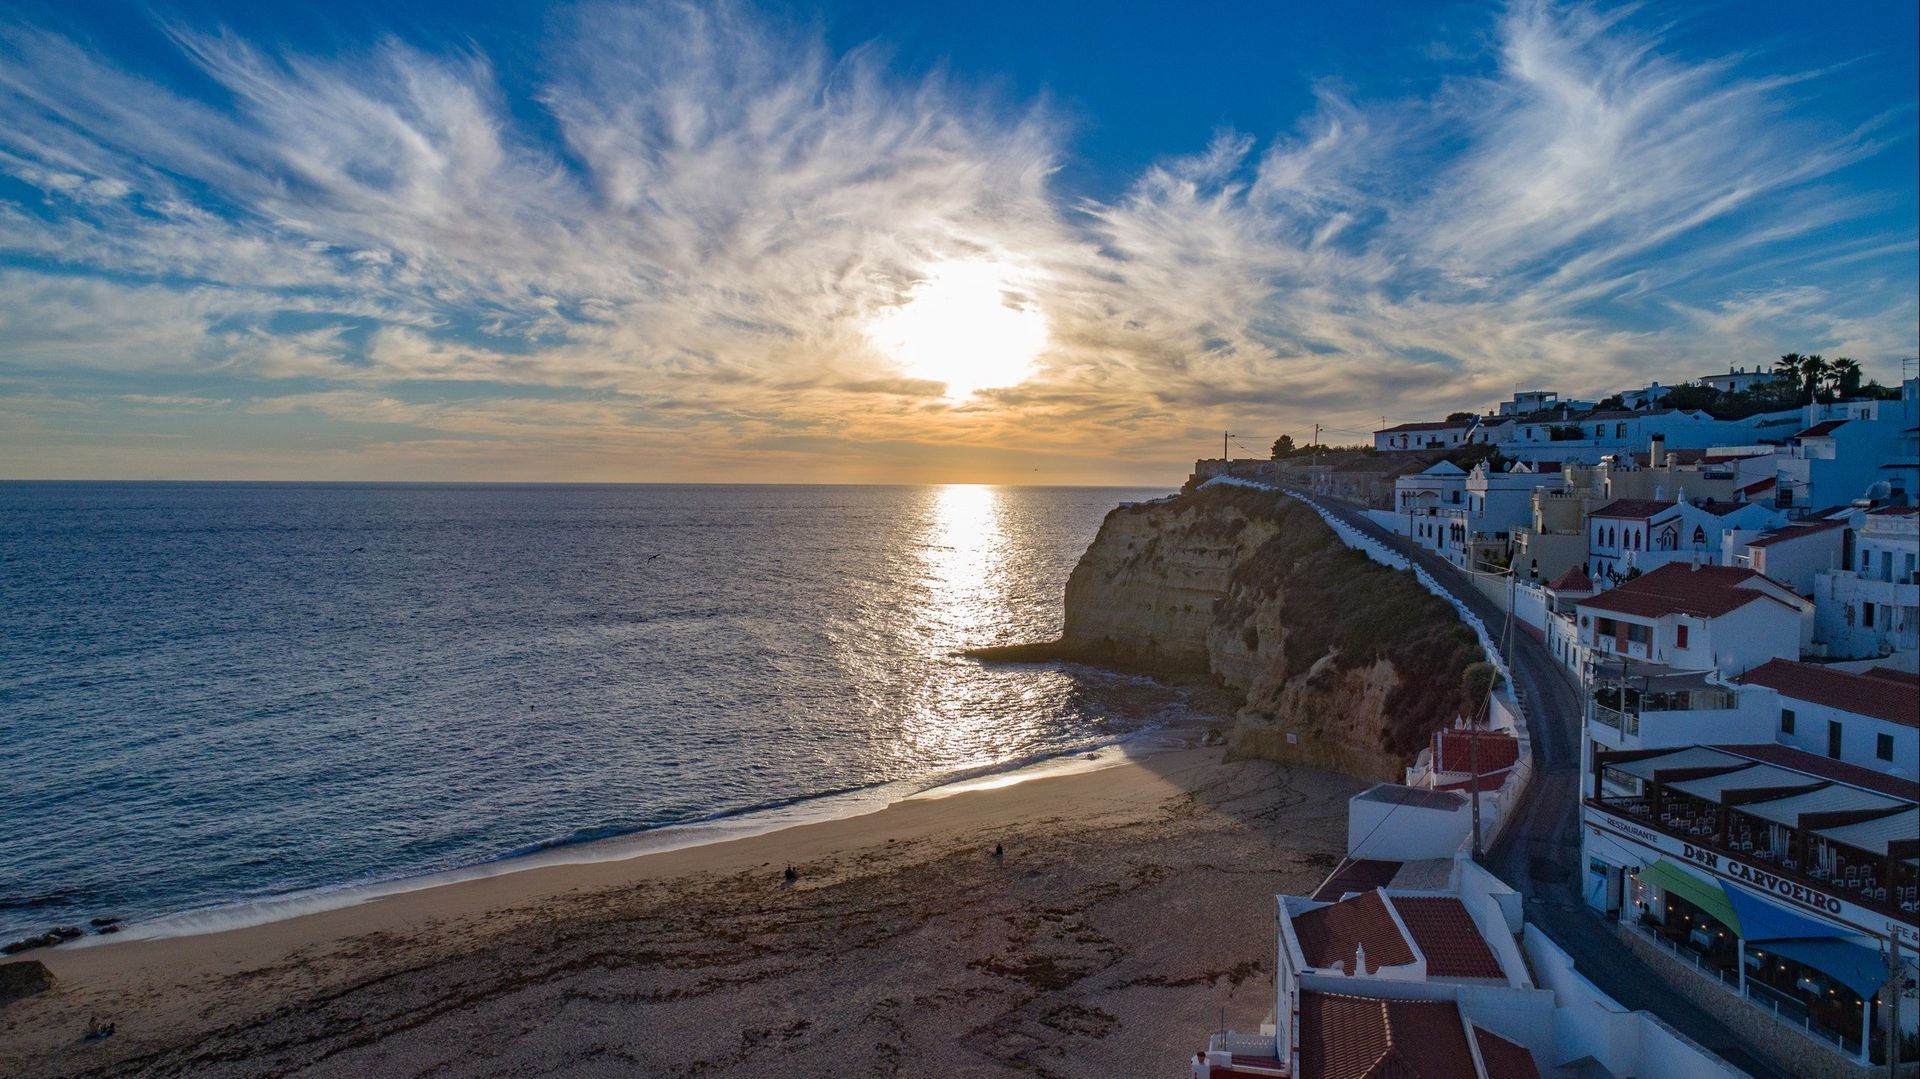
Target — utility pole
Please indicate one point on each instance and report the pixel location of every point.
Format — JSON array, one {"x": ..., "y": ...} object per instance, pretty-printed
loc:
[
  {"x": 1224, "y": 455},
  {"x": 1473, "y": 785},
  {"x": 1893, "y": 991}
]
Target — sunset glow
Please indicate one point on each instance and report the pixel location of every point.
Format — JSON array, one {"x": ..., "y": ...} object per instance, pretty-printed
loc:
[{"x": 961, "y": 326}]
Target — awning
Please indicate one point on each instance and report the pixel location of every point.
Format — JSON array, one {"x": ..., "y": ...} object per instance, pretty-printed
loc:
[
  {"x": 1708, "y": 897},
  {"x": 1859, "y": 968},
  {"x": 1763, "y": 921}
]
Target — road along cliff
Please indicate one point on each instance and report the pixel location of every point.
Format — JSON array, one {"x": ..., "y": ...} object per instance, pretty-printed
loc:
[{"x": 1329, "y": 659}]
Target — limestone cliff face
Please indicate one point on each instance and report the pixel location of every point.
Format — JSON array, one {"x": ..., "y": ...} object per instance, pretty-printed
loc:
[{"x": 1334, "y": 661}]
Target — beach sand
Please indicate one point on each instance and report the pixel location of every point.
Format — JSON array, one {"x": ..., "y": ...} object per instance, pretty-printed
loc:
[{"x": 1131, "y": 914}]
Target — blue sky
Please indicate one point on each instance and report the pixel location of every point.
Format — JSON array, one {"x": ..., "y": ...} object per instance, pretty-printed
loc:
[{"x": 662, "y": 242}]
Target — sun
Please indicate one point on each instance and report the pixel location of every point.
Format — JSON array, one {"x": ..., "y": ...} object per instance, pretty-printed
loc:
[{"x": 960, "y": 326}]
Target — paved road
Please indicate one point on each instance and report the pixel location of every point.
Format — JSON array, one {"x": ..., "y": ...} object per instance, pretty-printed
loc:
[{"x": 1539, "y": 853}]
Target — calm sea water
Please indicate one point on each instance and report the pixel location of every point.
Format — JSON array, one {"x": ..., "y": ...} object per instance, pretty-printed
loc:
[{"x": 215, "y": 693}]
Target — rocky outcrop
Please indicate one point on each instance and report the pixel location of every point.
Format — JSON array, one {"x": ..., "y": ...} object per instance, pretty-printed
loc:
[
  {"x": 1330, "y": 659},
  {"x": 23, "y": 979}
]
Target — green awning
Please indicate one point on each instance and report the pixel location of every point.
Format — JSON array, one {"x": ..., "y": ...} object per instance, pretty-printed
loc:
[{"x": 1708, "y": 897}]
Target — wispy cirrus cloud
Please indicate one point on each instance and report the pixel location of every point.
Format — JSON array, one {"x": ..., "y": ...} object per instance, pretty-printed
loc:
[{"x": 679, "y": 234}]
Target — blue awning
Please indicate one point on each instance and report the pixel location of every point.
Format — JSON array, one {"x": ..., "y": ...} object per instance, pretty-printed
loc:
[
  {"x": 1859, "y": 968},
  {"x": 1761, "y": 920}
]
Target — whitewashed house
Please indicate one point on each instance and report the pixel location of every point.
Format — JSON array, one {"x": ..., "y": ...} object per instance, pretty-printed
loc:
[{"x": 1696, "y": 618}]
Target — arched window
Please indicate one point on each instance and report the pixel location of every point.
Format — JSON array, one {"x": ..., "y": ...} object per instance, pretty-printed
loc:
[{"x": 1699, "y": 537}]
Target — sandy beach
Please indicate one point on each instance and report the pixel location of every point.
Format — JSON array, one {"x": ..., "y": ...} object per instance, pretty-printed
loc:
[{"x": 1130, "y": 914}]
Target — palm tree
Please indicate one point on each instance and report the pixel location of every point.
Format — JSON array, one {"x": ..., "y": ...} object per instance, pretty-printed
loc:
[
  {"x": 1787, "y": 369},
  {"x": 1846, "y": 376},
  {"x": 1814, "y": 369}
]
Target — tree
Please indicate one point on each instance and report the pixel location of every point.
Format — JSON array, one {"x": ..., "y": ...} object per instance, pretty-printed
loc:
[
  {"x": 1814, "y": 370},
  {"x": 1846, "y": 376},
  {"x": 1787, "y": 368},
  {"x": 1283, "y": 447},
  {"x": 1457, "y": 417}
]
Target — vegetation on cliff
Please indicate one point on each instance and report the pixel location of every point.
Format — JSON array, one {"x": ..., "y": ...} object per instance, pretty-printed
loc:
[{"x": 1332, "y": 659}]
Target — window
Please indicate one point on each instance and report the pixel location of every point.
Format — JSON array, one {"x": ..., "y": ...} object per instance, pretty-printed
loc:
[
  {"x": 1833, "y": 738},
  {"x": 1866, "y": 615},
  {"x": 1786, "y": 721},
  {"x": 1680, "y": 635},
  {"x": 1883, "y": 746},
  {"x": 1620, "y": 431}
]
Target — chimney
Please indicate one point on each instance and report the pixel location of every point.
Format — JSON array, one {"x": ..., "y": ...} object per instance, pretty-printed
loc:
[
  {"x": 1359, "y": 958},
  {"x": 1657, "y": 451}
]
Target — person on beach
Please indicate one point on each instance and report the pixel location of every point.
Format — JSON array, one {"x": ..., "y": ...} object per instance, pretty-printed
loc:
[
  {"x": 999, "y": 852},
  {"x": 792, "y": 875}
]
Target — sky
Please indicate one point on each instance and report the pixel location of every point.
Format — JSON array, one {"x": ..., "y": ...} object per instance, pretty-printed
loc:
[{"x": 874, "y": 242}]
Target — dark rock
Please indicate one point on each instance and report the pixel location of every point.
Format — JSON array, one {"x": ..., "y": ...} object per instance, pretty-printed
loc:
[
  {"x": 109, "y": 929},
  {"x": 23, "y": 979},
  {"x": 102, "y": 923},
  {"x": 66, "y": 932},
  {"x": 44, "y": 940}
]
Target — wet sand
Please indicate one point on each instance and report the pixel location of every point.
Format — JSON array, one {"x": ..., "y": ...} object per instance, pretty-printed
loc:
[{"x": 1131, "y": 913}]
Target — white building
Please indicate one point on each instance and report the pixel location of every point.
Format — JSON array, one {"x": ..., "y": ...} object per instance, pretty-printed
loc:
[
  {"x": 1793, "y": 555},
  {"x": 1411, "y": 437},
  {"x": 1842, "y": 450},
  {"x": 1738, "y": 379},
  {"x": 1870, "y": 606},
  {"x": 1696, "y": 618},
  {"x": 1871, "y": 719},
  {"x": 1589, "y": 436},
  {"x": 1425, "y": 966},
  {"x": 1644, "y": 534}
]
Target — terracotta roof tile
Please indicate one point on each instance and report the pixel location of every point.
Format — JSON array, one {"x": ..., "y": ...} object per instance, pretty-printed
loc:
[
  {"x": 1355, "y": 875},
  {"x": 1682, "y": 588},
  {"x": 1331, "y": 934},
  {"x": 1446, "y": 935},
  {"x": 1503, "y": 1058},
  {"x": 1821, "y": 429},
  {"x": 1345, "y": 1037},
  {"x": 1573, "y": 580},
  {"x": 1634, "y": 508},
  {"x": 1794, "y": 532},
  {"x": 1453, "y": 750},
  {"x": 1867, "y": 695},
  {"x": 1436, "y": 425}
]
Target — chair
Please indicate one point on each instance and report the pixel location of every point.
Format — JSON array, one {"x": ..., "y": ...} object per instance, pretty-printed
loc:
[{"x": 1879, "y": 893}]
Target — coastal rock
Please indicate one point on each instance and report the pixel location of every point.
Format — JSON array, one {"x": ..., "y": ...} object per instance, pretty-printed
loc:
[
  {"x": 1331, "y": 660},
  {"x": 22, "y": 979}
]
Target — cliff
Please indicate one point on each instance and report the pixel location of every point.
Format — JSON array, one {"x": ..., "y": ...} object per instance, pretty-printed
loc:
[{"x": 1330, "y": 659}]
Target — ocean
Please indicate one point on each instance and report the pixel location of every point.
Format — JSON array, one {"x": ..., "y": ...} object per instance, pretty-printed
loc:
[{"x": 226, "y": 698}]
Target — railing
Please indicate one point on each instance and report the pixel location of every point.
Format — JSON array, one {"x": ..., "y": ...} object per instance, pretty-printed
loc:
[
  {"x": 1787, "y": 1009},
  {"x": 1244, "y": 1045},
  {"x": 1626, "y": 723}
]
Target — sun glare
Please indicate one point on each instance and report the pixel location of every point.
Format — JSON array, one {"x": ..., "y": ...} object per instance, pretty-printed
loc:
[{"x": 960, "y": 327}]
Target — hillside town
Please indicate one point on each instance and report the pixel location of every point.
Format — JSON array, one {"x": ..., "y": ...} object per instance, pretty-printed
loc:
[{"x": 1725, "y": 574}]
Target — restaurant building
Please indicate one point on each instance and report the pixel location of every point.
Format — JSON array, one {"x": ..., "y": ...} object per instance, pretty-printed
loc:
[{"x": 1715, "y": 825}]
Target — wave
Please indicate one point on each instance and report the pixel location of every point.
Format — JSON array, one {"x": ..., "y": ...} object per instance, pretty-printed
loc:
[{"x": 618, "y": 843}]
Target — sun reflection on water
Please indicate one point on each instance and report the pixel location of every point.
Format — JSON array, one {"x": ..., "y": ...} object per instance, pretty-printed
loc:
[{"x": 963, "y": 552}]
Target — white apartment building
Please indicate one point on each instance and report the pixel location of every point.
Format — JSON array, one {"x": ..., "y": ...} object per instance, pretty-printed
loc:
[
  {"x": 1644, "y": 534},
  {"x": 1869, "y": 606},
  {"x": 1695, "y": 618}
]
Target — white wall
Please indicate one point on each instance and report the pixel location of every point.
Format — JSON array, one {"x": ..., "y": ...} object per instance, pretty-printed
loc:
[
  {"x": 1413, "y": 833},
  {"x": 1858, "y": 734}
]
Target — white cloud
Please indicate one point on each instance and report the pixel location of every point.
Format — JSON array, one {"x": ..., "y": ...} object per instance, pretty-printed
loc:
[{"x": 712, "y": 208}]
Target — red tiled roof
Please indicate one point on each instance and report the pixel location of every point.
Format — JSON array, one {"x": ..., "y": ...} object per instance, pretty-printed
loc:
[
  {"x": 1439, "y": 425},
  {"x": 1821, "y": 429},
  {"x": 1907, "y": 677},
  {"x": 1723, "y": 458},
  {"x": 1446, "y": 935},
  {"x": 1894, "y": 511},
  {"x": 1345, "y": 1037},
  {"x": 1794, "y": 532},
  {"x": 1827, "y": 768},
  {"x": 1881, "y": 698},
  {"x": 1682, "y": 588},
  {"x": 1330, "y": 934},
  {"x": 1573, "y": 580},
  {"x": 1757, "y": 486},
  {"x": 1453, "y": 750},
  {"x": 1633, "y": 508},
  {"x": 1355, "y": 875},
  {"x": 1505, "y": 1059}
]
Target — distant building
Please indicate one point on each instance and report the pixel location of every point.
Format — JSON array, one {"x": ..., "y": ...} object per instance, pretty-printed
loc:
[
  {"x": 1738, "y": 379},
  {"x": 1421, "y": 437},
  {"x": 1644, "y": 534}
]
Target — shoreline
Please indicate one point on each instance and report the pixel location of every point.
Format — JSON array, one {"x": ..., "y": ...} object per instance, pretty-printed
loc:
[
  {"x": 720, "y": 828},
  {"x": 169, "y": 994}
]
